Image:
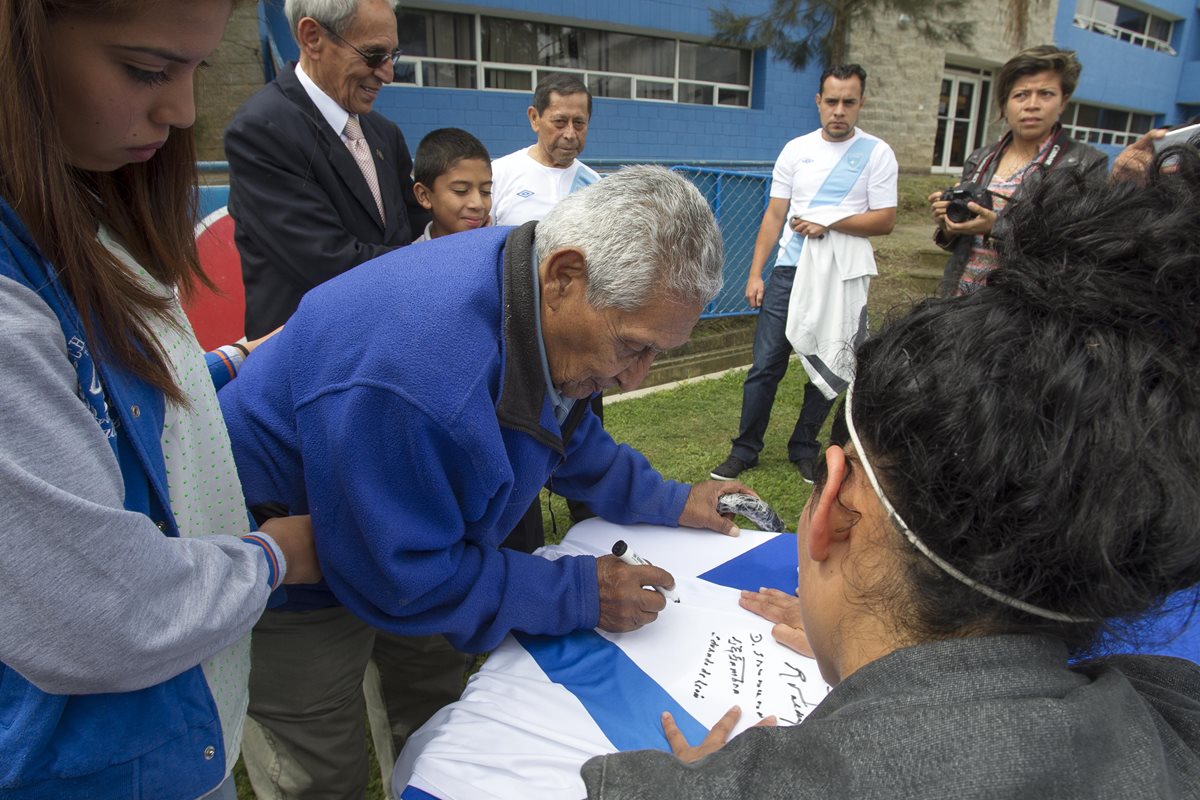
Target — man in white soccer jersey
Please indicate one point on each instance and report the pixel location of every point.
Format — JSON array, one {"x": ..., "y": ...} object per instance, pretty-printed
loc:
[
  {"x": 527, "y": 184},
  {"x": 835, "y": 166}
]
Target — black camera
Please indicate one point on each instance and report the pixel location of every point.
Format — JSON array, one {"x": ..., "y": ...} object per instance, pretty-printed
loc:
[{"x": 958, "y": 197}]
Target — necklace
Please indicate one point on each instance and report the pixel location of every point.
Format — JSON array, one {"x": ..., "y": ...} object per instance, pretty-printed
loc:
[{"x": 1011, "y": 163}]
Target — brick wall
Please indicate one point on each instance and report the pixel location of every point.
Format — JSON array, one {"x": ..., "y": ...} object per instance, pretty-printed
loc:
[
  {"x": 905, "y": 73},
  {"x": 235, "y": 72}
]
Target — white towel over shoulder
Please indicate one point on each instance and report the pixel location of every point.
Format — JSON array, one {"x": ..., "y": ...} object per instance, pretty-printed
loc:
[{"x": 827, "y": 311}]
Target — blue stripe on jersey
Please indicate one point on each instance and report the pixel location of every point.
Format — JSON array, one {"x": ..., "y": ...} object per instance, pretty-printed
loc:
[
  {"x": 772, "y": 565},
  {"x": 624, "y": 702},
  {"x": 583, "y": 177},
  {"x": 413, "y": 793},
  {"x": 844, "y": 175},
  {"x": 833, "y": 191}
]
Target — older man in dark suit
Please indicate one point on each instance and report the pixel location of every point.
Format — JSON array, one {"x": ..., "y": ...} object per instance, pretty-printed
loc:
[{"x": 320, "y": 183}]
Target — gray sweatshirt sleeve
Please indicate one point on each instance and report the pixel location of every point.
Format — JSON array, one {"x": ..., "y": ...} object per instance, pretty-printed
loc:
[{"x": 93, "y": 598}]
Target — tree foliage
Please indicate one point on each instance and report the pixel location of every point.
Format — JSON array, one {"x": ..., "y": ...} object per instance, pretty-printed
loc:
[{"x": 796, "y": 31}]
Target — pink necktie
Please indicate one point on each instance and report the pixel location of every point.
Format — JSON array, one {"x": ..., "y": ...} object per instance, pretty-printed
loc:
[{"x": 361, "y": 151}]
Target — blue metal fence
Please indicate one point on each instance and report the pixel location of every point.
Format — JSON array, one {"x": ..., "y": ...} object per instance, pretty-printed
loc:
[{"x": 737, "y": 197}]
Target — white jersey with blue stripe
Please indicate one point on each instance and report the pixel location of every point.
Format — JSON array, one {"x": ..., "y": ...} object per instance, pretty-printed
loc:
[{"x": 858, "y": 174}]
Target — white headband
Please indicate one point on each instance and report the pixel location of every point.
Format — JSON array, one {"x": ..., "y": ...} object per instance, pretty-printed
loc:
[{"x": 999, "y": 597}]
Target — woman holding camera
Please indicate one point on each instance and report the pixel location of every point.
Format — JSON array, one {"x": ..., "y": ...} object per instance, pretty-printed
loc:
[{"x": 1032, "y": 91}]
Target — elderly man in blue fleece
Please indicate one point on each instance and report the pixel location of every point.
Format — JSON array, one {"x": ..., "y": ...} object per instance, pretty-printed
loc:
[{"x": 416, "y": 404}]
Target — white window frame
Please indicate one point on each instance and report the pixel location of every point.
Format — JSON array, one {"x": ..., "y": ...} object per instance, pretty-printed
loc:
[
  {"x": 981, "y": 102},
  {"x": 1096, "y": 135},
  {"x": 1143, "y": 39},
  {"x": 482, "y": 66}
]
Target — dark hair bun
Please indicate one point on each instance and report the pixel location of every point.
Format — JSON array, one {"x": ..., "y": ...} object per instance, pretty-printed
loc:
[{"x": 1043, "y": 434}]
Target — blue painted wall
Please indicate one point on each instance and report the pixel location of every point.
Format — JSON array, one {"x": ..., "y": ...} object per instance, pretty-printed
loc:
[
  {"x": 1125, "y": 75},
  {"x": 1116, "y": 74},
  {"x": 629, "y": 129}
]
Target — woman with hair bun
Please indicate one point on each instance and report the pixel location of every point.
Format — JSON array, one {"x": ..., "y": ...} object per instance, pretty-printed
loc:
[{"x": 1017, "y": 481}]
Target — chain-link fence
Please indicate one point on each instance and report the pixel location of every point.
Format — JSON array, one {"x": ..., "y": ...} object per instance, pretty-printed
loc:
[{"x": 738, "y": 200}]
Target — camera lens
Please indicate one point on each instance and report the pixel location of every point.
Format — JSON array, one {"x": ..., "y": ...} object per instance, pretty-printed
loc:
[{"x": 957, "y": 211}]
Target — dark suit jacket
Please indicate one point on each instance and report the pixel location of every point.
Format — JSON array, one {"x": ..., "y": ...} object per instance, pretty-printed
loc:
[{"x": 302, "y": 210}]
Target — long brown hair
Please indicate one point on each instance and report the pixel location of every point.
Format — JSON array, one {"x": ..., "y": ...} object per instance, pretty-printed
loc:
[{"x": 150, "y": 207}]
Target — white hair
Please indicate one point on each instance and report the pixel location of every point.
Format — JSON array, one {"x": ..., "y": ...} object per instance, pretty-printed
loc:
[
  {"x": 334, "y": 15},
  {"x": 643, "y": 230}
]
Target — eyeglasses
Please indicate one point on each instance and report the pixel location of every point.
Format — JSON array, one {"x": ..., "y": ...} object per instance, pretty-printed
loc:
[{"x": 375, "y": 59}]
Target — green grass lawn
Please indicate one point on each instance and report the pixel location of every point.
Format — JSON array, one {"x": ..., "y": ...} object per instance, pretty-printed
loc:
[{"x": 686, "y": 432}]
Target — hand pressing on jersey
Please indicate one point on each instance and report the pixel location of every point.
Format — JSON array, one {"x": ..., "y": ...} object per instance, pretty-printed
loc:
[
  {"x": 784, "y": 610},
  {"x": 714, "y": 741}
]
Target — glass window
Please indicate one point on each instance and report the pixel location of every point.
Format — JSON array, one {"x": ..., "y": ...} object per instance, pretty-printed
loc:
[
  {"x": 1160, "y": 29},
  {"x": 452, "y": 76},
  {"x": 1126, "y": 23},
  {"x": 610, "y": 86},
  {"x": 733, "y": 97},
  {"x": 509, "y": 40},
  {"x": 641, "y": 55},
  {"x": 1113, "y": 120},
  {"x": 697, "y": 93},
  {"x": 405, "y": 72},
  {"x": 1140, "y": 123},
  {"x": 439, "y": 50},
  {"x": 655, "y": 90},
  {"x": 1087, "y": 116},
  {"x": 517, "y": 80},
  {"x": 1131, "y": 19},
  {"x": 436, "y": 34},
  {"x": 706, "y": 62}
]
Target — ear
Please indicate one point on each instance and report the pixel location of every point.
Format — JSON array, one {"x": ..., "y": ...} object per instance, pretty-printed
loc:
[
  {"x": 533, "y": 118},
  {"x": 564, "y": 273},
  {"x": 817, "y": 98},
  {"x": 310, "y": 37},
  {"x": 825, "y": 525},
  {"x": 422, "y": 193}
]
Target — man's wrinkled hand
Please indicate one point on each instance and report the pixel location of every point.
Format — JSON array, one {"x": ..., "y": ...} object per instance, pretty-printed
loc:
[
  {"x": 1133, "y": 163},
  {"x": 624, "y": 604},
  {"x": 700, "y": 510}
]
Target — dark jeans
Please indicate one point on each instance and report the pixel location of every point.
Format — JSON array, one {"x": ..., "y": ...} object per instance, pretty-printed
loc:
[{"x": 771, "y": 353}]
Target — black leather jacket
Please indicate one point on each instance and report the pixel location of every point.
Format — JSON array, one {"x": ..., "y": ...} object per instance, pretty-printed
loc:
[{"x": 1074, "y": 155}]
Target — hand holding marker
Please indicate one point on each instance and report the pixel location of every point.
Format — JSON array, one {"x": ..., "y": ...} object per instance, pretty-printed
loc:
[{"x": 622, "y": 551}]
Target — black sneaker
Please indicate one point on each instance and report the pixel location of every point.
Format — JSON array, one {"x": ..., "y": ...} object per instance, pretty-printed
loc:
[
  {"x": 805, "y": 467},
  {"x": 730, "y": 468}
]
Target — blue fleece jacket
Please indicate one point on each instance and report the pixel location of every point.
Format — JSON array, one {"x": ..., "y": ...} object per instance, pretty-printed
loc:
[{"x": 404, "y": 407}]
